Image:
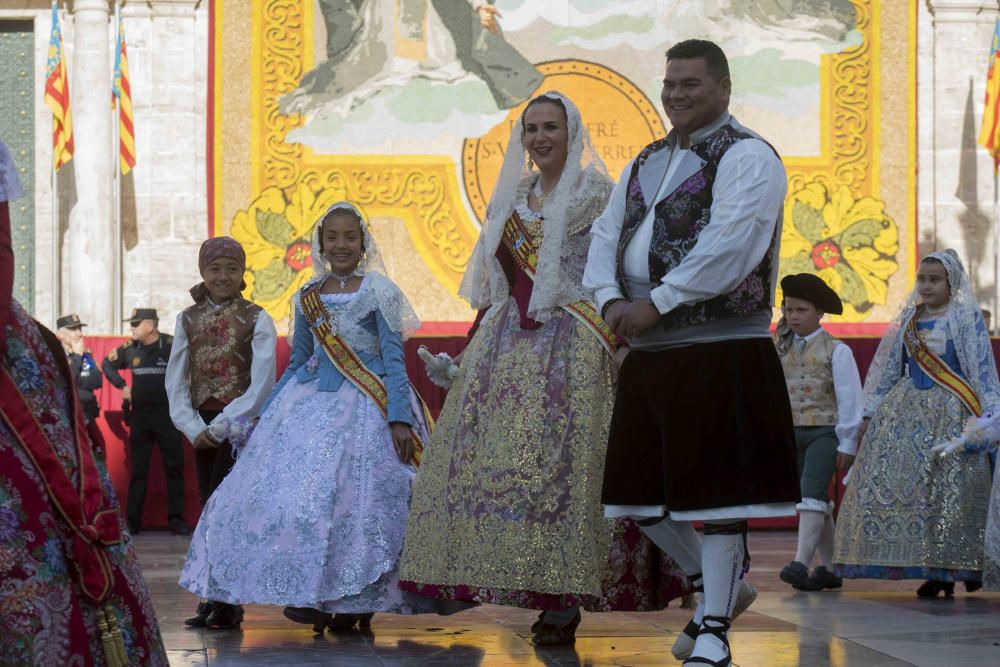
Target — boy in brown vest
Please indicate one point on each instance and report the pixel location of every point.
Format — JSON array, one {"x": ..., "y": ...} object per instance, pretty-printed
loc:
[
  {"x": 221, "y": 370},
  {"x": 826, "y": 396}
]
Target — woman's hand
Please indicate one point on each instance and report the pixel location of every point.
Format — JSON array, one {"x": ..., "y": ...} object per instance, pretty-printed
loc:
[{"x": 402, "y": 441}]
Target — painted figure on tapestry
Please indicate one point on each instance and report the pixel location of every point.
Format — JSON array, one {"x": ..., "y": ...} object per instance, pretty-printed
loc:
[{"x": 374, "y": 44}]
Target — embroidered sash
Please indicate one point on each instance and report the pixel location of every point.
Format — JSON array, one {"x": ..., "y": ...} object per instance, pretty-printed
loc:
[
  {"x": 938, "y": 370},
  {"x": 521, "y": 246},
  {"x": 345, "y": 360}
]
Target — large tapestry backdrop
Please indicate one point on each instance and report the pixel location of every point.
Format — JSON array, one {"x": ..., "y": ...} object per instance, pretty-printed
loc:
[{"x": 405, "y": 106}]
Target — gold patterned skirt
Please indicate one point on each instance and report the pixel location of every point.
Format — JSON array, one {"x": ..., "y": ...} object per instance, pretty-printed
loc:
[
  {"x": 908, "y": 514},
  {"x": 506, "y": 504}
]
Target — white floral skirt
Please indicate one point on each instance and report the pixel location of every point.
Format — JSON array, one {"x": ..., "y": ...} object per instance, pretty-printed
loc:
[{"x": 312, "y": 514}]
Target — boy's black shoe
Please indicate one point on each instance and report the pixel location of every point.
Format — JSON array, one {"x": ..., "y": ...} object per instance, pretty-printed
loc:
[{"x": 797, "y": 574}]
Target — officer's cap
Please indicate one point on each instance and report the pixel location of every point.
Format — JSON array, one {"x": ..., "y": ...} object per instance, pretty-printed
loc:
[
  {"x": 71, "y": 321},
  {"x": 140, "y": 314}
]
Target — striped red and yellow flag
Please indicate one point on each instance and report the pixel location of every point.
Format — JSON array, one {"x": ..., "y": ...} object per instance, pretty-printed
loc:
[
  {"x": 57, "y": 96},
  {"x": 122, "y": 89},
  {"x": 989, "y": 134}
]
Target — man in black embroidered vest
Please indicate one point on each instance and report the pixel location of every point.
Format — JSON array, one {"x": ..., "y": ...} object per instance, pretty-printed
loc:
[{"x": 683, "y": 262}]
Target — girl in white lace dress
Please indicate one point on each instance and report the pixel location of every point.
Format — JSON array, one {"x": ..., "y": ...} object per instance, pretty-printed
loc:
[{"x": 313, "y": 513}]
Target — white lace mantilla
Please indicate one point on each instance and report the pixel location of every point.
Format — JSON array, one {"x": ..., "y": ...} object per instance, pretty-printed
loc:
[{"x": 347, "y": 312}]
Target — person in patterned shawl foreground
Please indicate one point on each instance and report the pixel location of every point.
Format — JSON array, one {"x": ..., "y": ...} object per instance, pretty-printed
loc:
[{"x": 71, "y": 592}]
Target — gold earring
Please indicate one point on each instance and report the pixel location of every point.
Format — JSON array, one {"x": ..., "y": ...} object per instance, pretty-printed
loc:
[{"x": 531, "y": 165}]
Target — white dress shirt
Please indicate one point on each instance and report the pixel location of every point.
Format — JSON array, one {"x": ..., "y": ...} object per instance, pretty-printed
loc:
[
  {"x": 849, "y": 393},
  {"x": 748, "y": 194},
  {"x": 262, "y": 371}
]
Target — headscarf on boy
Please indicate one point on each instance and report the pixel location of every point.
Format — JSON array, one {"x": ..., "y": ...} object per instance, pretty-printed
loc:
[{"x": 211, "y": 250}]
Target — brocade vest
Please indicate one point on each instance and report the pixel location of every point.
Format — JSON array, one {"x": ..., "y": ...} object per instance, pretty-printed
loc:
[
  {"x": 809, "y": 376},
  {"x": 220, "y": 345},
  {"x": 678, "y": 220}
]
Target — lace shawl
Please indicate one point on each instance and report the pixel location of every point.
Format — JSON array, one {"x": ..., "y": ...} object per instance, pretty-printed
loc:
[
  {"x": 965, "y": 327},
  {"x": 579, "y": 197}
]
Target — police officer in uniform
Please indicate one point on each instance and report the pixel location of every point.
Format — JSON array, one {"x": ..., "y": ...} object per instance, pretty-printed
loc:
[
  {"x": 146, "y": 355},
  {"x": 69, "y": 331}
]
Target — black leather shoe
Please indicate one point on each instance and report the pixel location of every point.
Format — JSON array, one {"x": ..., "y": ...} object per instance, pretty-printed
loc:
[
  {"x": 931, "y": 587},
  {"x": 973, "y": 586},
  {"x": 198, "y": 620},
  {"x": 797, "y": 574},
  {"x": 308, "y": 616},
  {"x": 224, "y": 616},
  {"x": 346, "y": 622},
  {"x": 134, "y": 527},
  {"x": 178, "y": 527},
  {"x": 823, "y": 578}
]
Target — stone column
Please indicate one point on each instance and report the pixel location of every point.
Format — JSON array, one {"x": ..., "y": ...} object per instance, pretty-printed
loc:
[
  {"x": 87, "y": 252},
  {"x": 164, "y": 207},
  {"x": 956, "y": 182}
]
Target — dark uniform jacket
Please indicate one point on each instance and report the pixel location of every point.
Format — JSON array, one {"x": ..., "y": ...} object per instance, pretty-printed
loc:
[
  {"x": 148, "y": 364},
  {"x": 88, "y": 380}
]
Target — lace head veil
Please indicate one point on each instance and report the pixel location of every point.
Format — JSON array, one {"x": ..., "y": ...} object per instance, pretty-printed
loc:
[
  {"x": 395, "y": 307},
  {"x": 584, "y": 176},
  {"x": 965, "y": 327}
]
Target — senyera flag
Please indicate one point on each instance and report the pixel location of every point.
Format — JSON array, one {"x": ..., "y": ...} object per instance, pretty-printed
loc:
[
  {"x": 57, "y": 96},
  {"x": 989, "y": 135},
  {"x": 122, "y": 89}
]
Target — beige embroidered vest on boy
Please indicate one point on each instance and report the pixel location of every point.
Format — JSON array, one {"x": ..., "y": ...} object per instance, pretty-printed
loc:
[
  {"x": 809, "y": 375},
  {"x": 220, "y": 345}
]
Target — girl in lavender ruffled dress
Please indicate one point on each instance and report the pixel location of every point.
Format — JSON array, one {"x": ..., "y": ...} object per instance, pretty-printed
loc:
[{"x": 313, "y": 513}]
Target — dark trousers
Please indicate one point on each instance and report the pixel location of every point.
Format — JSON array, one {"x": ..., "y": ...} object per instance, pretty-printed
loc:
[
  {"x": 152, "y": 424},
  {"x": 212, "y": 464}
]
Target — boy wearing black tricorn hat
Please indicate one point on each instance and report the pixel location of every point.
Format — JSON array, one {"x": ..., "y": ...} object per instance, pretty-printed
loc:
[{"x": 826, "y": 396}]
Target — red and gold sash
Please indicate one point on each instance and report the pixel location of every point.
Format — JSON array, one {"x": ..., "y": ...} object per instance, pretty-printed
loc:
[
  {"x": 345, "y": 360},
  {"x": 938, "y": 370},
  {"x": 82, "y": 505},
  {"x": 522, "y": 247}
]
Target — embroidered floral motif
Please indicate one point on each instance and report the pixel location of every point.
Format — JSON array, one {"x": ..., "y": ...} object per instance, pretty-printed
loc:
[
  {"x": 850, "y": 243},
  {"x": 43, "y": 621},
  {"x": 679, "y": 219}
]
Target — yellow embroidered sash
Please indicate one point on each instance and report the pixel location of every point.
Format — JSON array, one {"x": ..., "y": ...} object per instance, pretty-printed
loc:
[
  {"x": 938, "y": 370},
  {"x": 346, "y": 361},
  {"x": 522, "y": 247}
]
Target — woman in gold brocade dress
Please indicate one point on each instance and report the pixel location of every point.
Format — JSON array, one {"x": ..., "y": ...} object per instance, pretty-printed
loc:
[{"x": 506, "y": 504}]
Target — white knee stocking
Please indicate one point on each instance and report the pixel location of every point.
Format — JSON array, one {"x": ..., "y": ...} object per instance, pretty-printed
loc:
[
  {"x": 810, "y": 529},
  {"x": 826, "y": 542},
  {"x": 679, "y": 540}
]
